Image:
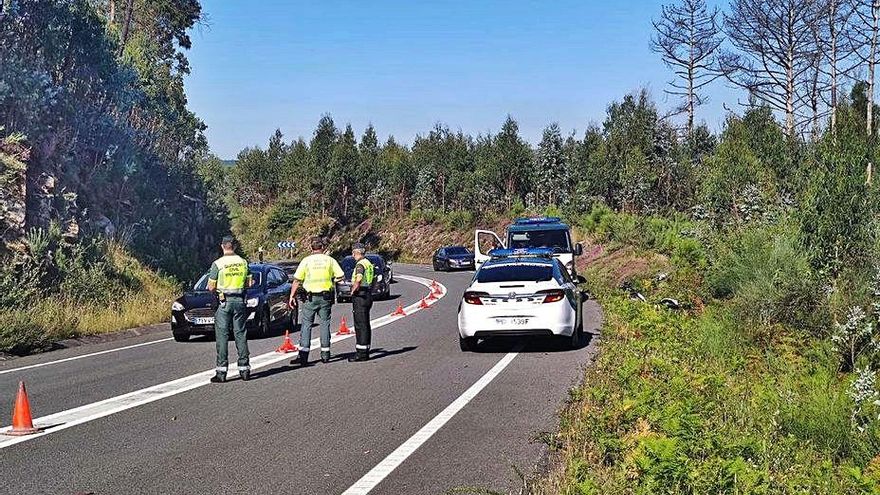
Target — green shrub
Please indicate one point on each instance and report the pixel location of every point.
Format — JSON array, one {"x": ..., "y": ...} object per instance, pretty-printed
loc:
[
  {"x": 285, "y": 214},
  {"x": 767, "y": 275},
  {"x": 459, "y": 219}
]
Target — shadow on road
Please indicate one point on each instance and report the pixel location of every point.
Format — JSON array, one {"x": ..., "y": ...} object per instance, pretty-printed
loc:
[
  {"x": 531, "y": 344},
  {"x": 377, "y": 353}
]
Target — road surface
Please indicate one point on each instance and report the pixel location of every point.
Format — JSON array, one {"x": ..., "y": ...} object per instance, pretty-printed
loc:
[{"x": 137, "y": 415}]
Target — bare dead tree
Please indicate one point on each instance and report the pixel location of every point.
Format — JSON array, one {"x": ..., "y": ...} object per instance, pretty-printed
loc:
[
  {"x": 687, "y": 38},
  {"x": 837, "y": 50},
  {"x": 864, "y": 37},
  {"x": 777, "y": 49}
]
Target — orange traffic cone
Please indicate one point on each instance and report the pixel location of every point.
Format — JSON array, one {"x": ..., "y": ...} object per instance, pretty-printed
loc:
[
  {"x": 22, "y": 423},
  {"x": 287, "y": 345},
  {"x": 399, "y": 311},
  {"x": 431, "y": 296},
  {"x": 343, "y": 328},
  {"x": 424, "y": 304}
]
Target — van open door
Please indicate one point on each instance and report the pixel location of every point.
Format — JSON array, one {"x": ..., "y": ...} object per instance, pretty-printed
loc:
[{"x": 485, "y": 241}]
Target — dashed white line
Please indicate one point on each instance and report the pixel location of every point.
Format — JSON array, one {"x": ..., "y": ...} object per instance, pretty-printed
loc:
[
  {"x": 90, "y": 412},
  {"x": 400, "y": 454},
  {"x": 74, "y": 358}
]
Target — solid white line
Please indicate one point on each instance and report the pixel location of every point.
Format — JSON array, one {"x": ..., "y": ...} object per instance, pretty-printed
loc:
[
  {"x": 90, "y": 412},
  {"x": 394, "y": 459},
  {"x": 74, "y": 358}
]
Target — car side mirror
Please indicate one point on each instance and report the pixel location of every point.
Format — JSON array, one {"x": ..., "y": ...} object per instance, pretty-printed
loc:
[{"x": 578, "y": 249}]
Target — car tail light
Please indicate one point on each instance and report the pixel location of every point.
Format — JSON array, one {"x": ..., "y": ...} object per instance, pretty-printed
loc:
[
  {"x": 552, "y": 295},
  {"x": 474, "y": 297}
]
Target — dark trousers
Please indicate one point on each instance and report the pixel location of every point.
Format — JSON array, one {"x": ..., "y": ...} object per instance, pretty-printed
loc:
[
  {"x": 361, "y": 303},
  {"x": 231, "y": 315}
]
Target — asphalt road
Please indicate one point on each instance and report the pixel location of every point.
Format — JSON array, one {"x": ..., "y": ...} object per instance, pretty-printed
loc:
[{"x": 415, "y": 418}]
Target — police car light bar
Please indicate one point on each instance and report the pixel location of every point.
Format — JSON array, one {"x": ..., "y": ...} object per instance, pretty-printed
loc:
[
  {"x": 522, "y": 253},
  {"x": 537, "y": 220}
]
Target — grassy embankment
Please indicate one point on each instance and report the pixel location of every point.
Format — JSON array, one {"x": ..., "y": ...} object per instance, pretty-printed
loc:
[
  {"x": 69, "y": 291},
  {"x": 739, "y": 392}
]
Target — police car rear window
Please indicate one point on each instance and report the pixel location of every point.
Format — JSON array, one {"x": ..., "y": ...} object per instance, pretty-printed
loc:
[{"x": 520, "y": 272}]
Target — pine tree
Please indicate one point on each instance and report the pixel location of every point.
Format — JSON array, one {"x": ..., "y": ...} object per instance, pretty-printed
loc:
[
  {"x": 321, "y": 148},
  {"x": 550, "y": 177}
]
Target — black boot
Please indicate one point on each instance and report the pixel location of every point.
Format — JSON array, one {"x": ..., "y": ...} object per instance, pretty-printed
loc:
[
  {"x": 218, "y": 378},
  {"x": 325, "y": 357},
  {"x": 303, "y": 359},
  {"x": 361, "y": 355},
  {"x": 245, "y": 375}
]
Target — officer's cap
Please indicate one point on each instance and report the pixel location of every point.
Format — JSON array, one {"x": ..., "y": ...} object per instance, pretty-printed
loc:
[
  {"x": 227, "y": 239},
  {"x": 358, "y": 247}
]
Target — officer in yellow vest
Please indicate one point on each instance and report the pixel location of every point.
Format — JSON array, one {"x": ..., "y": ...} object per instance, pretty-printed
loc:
[
  {"x": 317, "y": 274},
  {"x": 229, "y": 279},
  {"x": 362, "y": 301}
]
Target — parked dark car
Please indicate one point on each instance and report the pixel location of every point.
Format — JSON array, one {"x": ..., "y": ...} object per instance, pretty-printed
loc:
[
  {"x": 384, "y": 275},
  {"x": 450, "y": 258},
  {"x": 267, "y": 303}
]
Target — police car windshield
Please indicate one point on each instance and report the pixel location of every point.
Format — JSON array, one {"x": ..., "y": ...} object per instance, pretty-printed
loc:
[
  {"x": 456, "y": 250},
  {"x": 557, "y": 240},
  {"x": 515, "y": 272},
  {"x": 202, "y": 284}
]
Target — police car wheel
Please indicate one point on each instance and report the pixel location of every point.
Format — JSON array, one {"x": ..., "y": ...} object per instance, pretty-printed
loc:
[
  {"x": 181, "y": 337},
  {"x": 467, "y": 344}
]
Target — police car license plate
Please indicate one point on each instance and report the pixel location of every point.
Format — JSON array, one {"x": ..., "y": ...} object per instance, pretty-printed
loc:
[
  {"x": 205, "y": 320},
  {"x": 512, "y": 322}
]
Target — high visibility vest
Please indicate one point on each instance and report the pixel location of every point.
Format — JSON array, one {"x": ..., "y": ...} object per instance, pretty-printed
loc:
[
  {"x": 369, "y": 272},
  {"x": 232, "y": 272},
  {"x": 317, "y": 271}
]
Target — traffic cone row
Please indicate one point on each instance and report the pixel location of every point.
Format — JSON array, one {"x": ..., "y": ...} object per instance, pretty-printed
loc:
[
  {"x": 22, "y": 422},
  {"x": 287, "y": 346},
  {"x": 424, "y": 304},
  {"x": 343, "y": 328}
]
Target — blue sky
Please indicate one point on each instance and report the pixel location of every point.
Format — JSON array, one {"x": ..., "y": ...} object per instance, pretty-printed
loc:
[{"x": 406, "y": 65}]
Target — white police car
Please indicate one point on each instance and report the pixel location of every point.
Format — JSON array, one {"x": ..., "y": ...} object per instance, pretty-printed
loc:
[{"x": 521, "y": 292}]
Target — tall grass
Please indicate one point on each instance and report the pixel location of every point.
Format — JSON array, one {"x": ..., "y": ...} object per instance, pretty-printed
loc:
[{"x": 91, "y": 290}]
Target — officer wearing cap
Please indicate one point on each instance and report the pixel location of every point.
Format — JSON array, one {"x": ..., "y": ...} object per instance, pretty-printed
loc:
[
  {"x": 316, "y": 274},
  {"x": 229, "y": 278},
  {"x": 362, "y": 301}
]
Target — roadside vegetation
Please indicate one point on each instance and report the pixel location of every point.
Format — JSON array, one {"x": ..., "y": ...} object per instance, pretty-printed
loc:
[
  {"x": 98, "y": 166},
  {"x": 57, "y": 291}
]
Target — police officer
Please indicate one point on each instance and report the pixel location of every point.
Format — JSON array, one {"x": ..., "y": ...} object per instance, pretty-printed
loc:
[
  {"x": 229, "y": 279},
  {"x": 362, "y": 301},
  {"x": 317, "y": 274}
]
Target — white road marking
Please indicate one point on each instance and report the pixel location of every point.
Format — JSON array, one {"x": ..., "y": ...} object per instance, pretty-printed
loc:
[
  {"x": 394, "y": 459},
  {"x": 90, "y": 412},
  {"x": 74, "y": 358}
]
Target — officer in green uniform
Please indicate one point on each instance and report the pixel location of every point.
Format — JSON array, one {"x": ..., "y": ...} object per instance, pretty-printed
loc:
[
  {"x": 317, "y": 274},
  {"x": 229, "y": 279},
  {"x": 362, "y": 301}
]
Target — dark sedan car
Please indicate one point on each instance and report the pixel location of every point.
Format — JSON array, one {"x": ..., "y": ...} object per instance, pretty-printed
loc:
[
  {"x": 267, "y": 305},
  {"x": 381, "y": 284},
  {"x": 453, "y": 258}
]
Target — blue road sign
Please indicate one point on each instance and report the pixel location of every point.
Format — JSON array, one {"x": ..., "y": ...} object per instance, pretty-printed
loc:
[{"x": 286, "y": 245}]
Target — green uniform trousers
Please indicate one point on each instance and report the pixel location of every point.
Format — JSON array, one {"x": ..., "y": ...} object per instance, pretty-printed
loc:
[
  {"x": 231, "y": 315},
  {"x": 319, "y": 307}
]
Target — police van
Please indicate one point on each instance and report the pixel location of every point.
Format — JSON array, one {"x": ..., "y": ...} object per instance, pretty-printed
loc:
[{"x": 531, "y": 233}]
